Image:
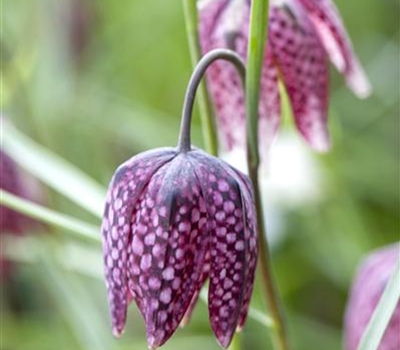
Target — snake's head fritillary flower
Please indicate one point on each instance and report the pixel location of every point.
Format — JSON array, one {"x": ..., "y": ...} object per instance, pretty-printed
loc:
[
  {"x": 368, "y": 286},
  {"x": 173, "y": 219},
  {"x": 302, "y": 36}
]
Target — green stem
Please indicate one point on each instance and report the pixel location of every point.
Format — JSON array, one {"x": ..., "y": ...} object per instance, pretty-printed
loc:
[
  {"x": 256, "y": 48},
  {"x": 35, "y": 211},
  {"x": 235, "y": 343},
  {"x": 206, "y": 114}
]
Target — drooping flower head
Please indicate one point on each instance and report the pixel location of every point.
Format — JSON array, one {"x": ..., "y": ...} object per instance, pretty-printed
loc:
[
  {"x": 302, "y": 36},
  {"x": 175, "y": 217},
  {"x": 368, "y": 286}
]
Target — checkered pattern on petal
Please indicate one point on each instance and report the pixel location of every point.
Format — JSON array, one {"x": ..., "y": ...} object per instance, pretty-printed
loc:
[
  {"x": 330, "y": 28},
  {"x": 169, "y": 246},
  {"x": 224, "y": 24},
  {"x": 301, "y": 59},
  {"x": 125, "y": 189}
]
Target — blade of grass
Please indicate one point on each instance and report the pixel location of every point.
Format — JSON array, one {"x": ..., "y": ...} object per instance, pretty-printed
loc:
[
  {"x": 53, "y": 170},
  {"x": 35, "y": 211},
  {"x": 75, "y": 303},
  {"x": 379, "y": 321}
]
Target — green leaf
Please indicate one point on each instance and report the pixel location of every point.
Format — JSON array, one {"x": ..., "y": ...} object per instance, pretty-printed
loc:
[
  {"x": 53, "y": 170},
  {"x": 35, "y": 211},
  {"x": 75, "y": 303},
  {"x": 383, "y": 312}
]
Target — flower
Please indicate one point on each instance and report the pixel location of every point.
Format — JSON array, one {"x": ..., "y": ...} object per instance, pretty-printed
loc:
[
  {"x": 369, "y": 283},
  {"x": 172, "y": 219},
  {"x": 302, "y": 35},
  {"x": 14, "y": 180}
]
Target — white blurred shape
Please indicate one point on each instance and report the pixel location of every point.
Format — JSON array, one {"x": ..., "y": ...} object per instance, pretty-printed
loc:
[{"x": 291, "y": 179}]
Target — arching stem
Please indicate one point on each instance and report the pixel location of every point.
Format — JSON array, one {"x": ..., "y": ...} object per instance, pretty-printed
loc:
[{"x": 184, "y": 144}]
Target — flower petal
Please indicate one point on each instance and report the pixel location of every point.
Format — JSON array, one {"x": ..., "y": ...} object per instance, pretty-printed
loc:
[
  {"x": 301, "y": 59},
  {"x": 224, "y": 24},
  {"x": 329, "y": 26},
  {"x": 203, "y": 278},
  {"x": 168, "y": 248},
  {"x": 368, "y": 285},
  {"x": 124, "y": 190},
  {"x": 229, "y": 248},
  {"x": 251, "y": 236}
]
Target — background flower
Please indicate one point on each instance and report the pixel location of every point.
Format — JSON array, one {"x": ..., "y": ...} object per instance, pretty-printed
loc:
[
  {"x": 302, "y": 35},
  {"x": 368, "y": 286}
]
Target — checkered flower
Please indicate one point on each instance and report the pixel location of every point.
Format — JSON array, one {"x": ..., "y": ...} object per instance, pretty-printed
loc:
[
  {"x": 303, "y": 35},
  {"x": 172, "y": 220},
  {"x": 369, "y": 284}
]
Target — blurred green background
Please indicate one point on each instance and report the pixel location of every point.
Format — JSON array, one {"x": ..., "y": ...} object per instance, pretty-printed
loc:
[{"x": 98, "y": 81}]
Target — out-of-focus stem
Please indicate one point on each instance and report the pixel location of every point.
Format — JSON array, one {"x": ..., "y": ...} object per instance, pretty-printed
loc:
[
  {"x": 256, "y": 48},
  {"x": 235, "y": 344},
  {"x": 206, "y": 113}
]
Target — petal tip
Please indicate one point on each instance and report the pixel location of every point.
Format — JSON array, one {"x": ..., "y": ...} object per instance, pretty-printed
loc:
[
  {"x": 152, "y": 343},
  {"x": 318, "y": 138},
  {"x": 239, "y": 328},
  {"x": 184, "y": 322},
  {"x": 224, "y": 340},
  {"x": 118, "y": 331},
  {"x": 359, "y": 83},
  {"x": 321, "y": 144}
]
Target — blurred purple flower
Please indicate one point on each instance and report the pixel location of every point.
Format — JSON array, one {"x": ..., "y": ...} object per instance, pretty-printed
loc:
[
  {"x": 368, "y": 286},
  {"x": 303, "y": 34},
  {"x": 172, "y": 219},
  {"x": 14, "y": 180}
]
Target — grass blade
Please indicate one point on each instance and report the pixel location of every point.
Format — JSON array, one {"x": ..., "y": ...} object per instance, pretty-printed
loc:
[
  {"x": 38, "y": 212},
  {"x": 53, "y": 170},
  {"x": 383, "y": 312}
]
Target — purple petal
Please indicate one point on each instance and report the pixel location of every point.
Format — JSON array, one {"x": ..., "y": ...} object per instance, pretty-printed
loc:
[
  {"x": 125, "y": 188},
  {"x": 368, "y": 286},
  {"x": 203, "y": 278},
  {"x": 229, "y": 247},
  {"x": 330, "y": 28},
  {"x": 301, "y": 59},
  {"x": 251, "y": 236},
  {"x": 224, "y": 24},
  {"x": 168, "y": 248}
]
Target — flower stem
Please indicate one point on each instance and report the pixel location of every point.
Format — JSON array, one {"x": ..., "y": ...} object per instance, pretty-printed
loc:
[
  {"x": 235, "y": 343},
  {"x": 206, "y": 115},
  {"x": 184, "y": 144},
  {"x": 256, "y": 48}
]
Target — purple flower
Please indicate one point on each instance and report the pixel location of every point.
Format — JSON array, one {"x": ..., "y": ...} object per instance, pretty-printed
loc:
[
  {"x": 173, "y": 219},
  {"x": 303, "y": 35},
  {"x": 14, "y": 180},
  {"x": 368, "y": 286}
]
